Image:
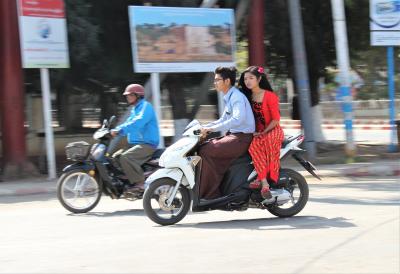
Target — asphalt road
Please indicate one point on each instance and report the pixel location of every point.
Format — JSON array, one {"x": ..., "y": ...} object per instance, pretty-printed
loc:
[{"x": 350, "y": 225}]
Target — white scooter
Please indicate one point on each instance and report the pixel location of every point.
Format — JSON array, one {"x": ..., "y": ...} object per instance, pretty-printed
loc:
[{"x": 170, "y": 190}]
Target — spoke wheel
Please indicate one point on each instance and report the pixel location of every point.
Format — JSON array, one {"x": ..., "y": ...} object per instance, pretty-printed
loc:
[
  {"x": 78, "y": 192},
  {"x": 155, "y": 202}
]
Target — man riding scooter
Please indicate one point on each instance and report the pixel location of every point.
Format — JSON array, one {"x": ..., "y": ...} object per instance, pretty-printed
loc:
[
  {"x": 238, "y": 121},
  {"x": 143, "y": 135}
]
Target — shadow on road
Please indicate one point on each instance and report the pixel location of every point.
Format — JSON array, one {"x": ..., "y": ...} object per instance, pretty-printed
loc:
[
  {"x": 118, "y": 213},
  {"x": 298, "y": 222}
]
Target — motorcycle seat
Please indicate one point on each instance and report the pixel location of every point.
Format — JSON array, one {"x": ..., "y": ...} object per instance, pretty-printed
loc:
[
  {"x": 157, "y": 153},
  {"x": 287, "y": 140}
]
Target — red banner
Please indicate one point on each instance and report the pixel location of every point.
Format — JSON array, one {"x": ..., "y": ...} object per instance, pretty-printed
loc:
[{"x": 42, "y": 8}]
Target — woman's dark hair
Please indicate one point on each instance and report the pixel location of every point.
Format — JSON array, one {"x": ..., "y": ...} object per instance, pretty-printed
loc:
[
  {"x": 257, "y": 72},
  {"x": 227, "y": 73}
]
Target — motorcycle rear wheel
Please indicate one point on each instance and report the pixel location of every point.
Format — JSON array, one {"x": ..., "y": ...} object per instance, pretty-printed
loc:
[
  {"x": 298, "y": 182},
  {"x": 78, "y": 192},
  {"x": 154, "y": 202}
]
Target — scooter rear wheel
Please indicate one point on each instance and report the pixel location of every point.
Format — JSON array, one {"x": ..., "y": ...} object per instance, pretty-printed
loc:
[
  {"x": 298, "y": 185},
  {"x": 78, "y": 192},
  {"x": 155, "y": 202}
]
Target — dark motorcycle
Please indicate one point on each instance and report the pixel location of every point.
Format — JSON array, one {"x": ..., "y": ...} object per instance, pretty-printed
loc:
[{"x": 94, "y": 172}]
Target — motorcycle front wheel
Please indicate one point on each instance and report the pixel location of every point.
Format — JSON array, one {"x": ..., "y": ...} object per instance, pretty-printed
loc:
[
  {"x": 298, "y": 189},
  {"x": 155, "y": 202},
  {"x": 78, "y": 192}
]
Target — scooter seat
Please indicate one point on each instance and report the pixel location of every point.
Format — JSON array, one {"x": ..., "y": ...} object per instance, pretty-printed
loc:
[{"x": 285, "y": 142}]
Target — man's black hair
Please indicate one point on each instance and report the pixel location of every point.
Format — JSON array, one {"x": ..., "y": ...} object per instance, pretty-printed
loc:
[{"x": 227, "y": 73}]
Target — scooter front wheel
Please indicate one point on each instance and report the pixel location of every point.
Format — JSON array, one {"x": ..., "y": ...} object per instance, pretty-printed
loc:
[
  {"x": 78, "y": 192},
  {"x": 155, "y": 202}
]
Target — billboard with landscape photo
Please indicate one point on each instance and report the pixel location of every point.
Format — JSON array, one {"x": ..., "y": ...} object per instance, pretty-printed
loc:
[{"x": 181, "y": 39}]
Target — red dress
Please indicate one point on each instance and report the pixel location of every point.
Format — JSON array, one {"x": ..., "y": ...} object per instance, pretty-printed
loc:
[{"x": 265, "y": 148}]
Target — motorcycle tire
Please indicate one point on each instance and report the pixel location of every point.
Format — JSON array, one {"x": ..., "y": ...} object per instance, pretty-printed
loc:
[
  {"x": 153, "y": 193},
  {"x": 301, "y": 183},
  {"x": 91, "y": 193}
]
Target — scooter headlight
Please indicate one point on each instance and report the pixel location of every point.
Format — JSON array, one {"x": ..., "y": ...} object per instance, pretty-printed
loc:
[{"x": 97, "y": 151}]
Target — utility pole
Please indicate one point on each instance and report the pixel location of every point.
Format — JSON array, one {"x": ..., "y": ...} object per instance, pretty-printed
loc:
[
  {"x": 255, "y": 30},
  {"x": 342, "y": 56},
  {"x": 301, "y": 72},
  {"x": 16, "y": 164}
]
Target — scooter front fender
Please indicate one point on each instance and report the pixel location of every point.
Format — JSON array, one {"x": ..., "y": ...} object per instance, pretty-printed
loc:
[
  {"x": 79, "y": 165},
  {"x": 173, "y": 173}
]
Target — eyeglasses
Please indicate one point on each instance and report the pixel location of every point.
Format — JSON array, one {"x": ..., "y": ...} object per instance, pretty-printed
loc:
[{"x": 216, "y": 80}]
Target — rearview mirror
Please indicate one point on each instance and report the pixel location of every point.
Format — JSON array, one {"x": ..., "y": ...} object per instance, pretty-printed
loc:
[{"x": 111, "y": 121}]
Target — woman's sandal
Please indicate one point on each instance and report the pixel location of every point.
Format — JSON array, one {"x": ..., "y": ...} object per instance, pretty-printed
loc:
[
  {"x": 265, "y": 191},
  {"x": 256, "y": 184}
]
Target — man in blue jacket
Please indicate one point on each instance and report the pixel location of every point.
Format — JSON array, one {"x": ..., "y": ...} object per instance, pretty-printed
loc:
[{"x": 143, "y": 134}]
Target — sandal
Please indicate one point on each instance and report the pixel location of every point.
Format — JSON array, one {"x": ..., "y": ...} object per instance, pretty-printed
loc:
[
  {"x": 265, "y": 191},
  {"x": 256, "y": 184}
]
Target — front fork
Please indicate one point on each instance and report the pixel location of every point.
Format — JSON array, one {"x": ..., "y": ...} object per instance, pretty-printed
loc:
[{"x": 172, "y": 193}]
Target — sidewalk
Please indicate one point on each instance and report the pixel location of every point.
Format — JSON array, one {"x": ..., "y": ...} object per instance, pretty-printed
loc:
[
  {"x": 363, "y": 124},
  {"x": 41, "y": 185},
  {"x": 28, "y": 186}
]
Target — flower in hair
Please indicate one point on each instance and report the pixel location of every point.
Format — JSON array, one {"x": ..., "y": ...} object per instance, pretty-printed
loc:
[{"x": 260, "y": 69}]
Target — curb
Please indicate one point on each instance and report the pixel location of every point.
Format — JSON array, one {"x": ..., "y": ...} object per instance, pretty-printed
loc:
[
  {"x": 28, "y": 187},
  {"x": 341, "y": 121},
  {"x": 373, "y": 171},
  {"x": 363, "y": 124},
  {"x": 357, "y": 170},
  {"x": 26, "y": 192}
]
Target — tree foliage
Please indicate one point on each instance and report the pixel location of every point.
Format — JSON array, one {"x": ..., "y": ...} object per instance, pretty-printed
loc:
[{"x": 101, "y": 58}]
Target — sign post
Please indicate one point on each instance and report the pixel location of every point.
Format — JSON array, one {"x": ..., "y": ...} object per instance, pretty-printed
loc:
[
  {"x": 51, "y": 161},
  {"x": 385, "y": 31},
  {"x": 155, "y": 86},
  {"x": 43, "y": 36},
  {"x": 342, "y": 53}
]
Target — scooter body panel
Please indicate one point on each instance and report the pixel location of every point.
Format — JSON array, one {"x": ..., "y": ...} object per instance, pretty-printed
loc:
[{"x": 173, "y": 173}]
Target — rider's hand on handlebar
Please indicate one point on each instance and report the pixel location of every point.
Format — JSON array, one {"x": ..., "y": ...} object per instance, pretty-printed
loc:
[
  {"x": 114, "y": 133},
  {"x": 204, "y": 132}
]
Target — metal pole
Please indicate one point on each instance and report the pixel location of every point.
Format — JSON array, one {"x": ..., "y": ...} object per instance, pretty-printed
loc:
[
  {"x": 392, "y": 146},
  {"x": 221, "y": 105},
  {"x": 51, "y": 162},
  {"x": 303, "y": 86},
  {"x": 155, "y": 84},
  {"x": 208, "y": 3},
  {"x": 342, "y": 55}
]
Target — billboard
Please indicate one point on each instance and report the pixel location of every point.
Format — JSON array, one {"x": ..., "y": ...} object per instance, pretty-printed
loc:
[
  {"x": 385, "y": 22},
  {"x": 181, "y": 39},
  {"x": 43, "y": 34}
]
